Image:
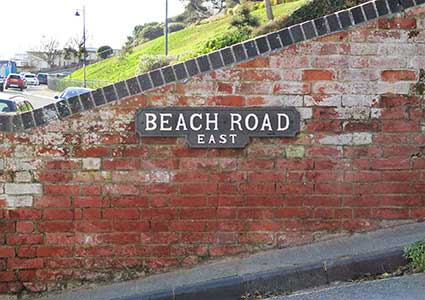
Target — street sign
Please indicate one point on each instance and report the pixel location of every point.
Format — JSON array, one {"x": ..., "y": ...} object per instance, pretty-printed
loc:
[{"x": 217, "y": 127}]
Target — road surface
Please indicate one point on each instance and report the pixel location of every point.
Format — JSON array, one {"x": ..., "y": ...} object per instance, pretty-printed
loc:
[
  {"x": 38, "y": 96},
  {"x": 398, "y": 288}
]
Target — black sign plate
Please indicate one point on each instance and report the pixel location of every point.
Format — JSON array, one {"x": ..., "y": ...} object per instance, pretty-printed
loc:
[{"x": 217, "y": 127}]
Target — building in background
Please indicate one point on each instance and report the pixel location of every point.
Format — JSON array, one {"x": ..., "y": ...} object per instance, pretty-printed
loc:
[{"x": 34, "y": 61}]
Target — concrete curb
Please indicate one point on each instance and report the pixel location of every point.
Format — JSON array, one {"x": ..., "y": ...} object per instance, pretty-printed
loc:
[{"x": 284, "y": 279}]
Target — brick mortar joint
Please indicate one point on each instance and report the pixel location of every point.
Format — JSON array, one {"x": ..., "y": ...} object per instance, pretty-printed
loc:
[{"x": 250, "y": 50}]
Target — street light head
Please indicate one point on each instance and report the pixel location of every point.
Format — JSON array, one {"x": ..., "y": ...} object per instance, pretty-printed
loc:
[{"x": 77, "y": 13}]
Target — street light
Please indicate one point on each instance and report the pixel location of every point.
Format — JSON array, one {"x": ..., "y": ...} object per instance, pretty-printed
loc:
[
  {"x": 77, "y": 14},
  {"x": 166, "y": 27}
]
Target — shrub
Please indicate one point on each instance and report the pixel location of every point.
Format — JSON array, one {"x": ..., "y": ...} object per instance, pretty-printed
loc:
[
  {"x": 243, "y": 20},
  {"x": 104, "y": 52},
  {"x": 173, "y": 27},
  {"x": 228, "y": 38},
  {"x": 274, "y": 25},
  {"x": 310, "y": 11},
  {"x": 152, "y": 31},
  {"x": 416, "y": 253},
  {"x": 149, "y": 62}
]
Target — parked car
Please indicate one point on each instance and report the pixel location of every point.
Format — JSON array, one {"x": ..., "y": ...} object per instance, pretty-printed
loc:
[
  {"x": 71, "y": 92},
  {"x": 16, "y": 81},
  {"x": 1, "y": 83},
  {"x": 14, "y": 103},
  {"x": 42, "y": 78},
  {"x": 31, "y": 79}
]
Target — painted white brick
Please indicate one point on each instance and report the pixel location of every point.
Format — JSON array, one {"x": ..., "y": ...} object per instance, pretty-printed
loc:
[
  {"x": 417, "y": 62},
  {"x": 23, "y": 188},
  {"x": 283, "y": 100},
  {"x": 23, "y": 151},
  {"x": 358, "y": 75},
  {"x": 356, "y": 113},
  {"x": 358, "y": 100},
  {"x": 362, "y": 138},
  {"x": 160, "y": 176},
  {"x": 91, "y": 163},
  {"x": 23, "y": 176},
  {"x": 322, "y": 100},
  {"x": 387, "y": 62},
  {"x": 387, "y": 49},
  {"x": 305, "y": 112},
  {"x": 347, "y": 139},
  {"x": 362, "y": 88},
  {"x": 23, "y": 164},
  {"x": 394, "y": 87},
  {"x": 363, "y": 49},
  {"x": 19, "y": 201}
]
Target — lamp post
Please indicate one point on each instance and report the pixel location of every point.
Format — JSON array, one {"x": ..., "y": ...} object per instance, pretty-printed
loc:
[
  {"x": 166, "y": 27},
  {"x": 77, "y": 14}
]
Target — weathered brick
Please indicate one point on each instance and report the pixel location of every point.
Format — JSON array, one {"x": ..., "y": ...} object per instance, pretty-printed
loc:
[
  {"x": 314, "y": 75},
  {"x": 23, "y": 188},
  {"x": 397, "y": 23},
  {"x": 19, "y": 264},
  {"x": 19, "y": 201},
  {"x": 91, "y": 163},
  {"x": 393, "y": 75}
]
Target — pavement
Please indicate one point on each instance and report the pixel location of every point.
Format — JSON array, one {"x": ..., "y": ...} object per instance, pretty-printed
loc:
[
  {"x": 38, "y": 96},
  {"x": 292, "y": 269},
  {"x": 410, "y": 287}
]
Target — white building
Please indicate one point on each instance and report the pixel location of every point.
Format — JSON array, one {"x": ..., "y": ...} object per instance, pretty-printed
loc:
[{"x": 35, "y": 60}]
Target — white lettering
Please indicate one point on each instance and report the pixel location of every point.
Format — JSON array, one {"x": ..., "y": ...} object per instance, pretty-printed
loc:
[
  {"x": 214, "y": 121},
  {"x": 212, "y": 139},
  {"x": 247, "y": 121},
  {"x": 235, "y": 119},
  {"x": 192, "y": 122},
  {"x": 181, "y": 122},
  {"x": 233, "y": 137},
  {"x": 150, "y": 121},
  {"x": 164, "y": 122},
  {"x": 266, "y": 123},
  {"x": 279, "y": 122},
  {"x": 201, "y": 138},
  {"x": 222, "y": 139}
]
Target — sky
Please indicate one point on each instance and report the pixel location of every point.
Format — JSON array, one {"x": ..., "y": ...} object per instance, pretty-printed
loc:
[{"x": 26, "y": 23}]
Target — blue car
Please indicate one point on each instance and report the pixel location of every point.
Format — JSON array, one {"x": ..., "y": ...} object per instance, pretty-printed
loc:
[
  {"x": 14, "y": 103},
  {"x": 71, "y": 92}
]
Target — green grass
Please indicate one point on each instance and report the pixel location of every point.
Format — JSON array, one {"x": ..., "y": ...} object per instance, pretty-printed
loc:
[{"x": 181, "y": 43}]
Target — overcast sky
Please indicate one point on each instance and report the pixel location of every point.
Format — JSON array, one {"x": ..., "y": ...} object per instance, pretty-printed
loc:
[{"x": 108, "y": 22}]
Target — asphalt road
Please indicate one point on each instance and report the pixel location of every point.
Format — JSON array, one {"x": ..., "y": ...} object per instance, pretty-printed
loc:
[
  {"x": 399, "y": 288},
  {"x": 38, "y": 96}
]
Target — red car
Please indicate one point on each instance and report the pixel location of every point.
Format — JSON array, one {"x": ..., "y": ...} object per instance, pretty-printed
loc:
[{"x": 15, "y": 81}]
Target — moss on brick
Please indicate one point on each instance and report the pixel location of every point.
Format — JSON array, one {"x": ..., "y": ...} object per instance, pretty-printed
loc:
[{"x": 295, "y": 151}]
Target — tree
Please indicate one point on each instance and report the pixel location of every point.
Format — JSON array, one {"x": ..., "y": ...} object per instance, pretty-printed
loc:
[
  {"x": 104, "y": 52},
  {"x": 151, "y": 31},
  {"x": 77, "y": 42},
  {"x": 69, "y": 53},
  {"x": 127, "y": 48},
  {"x": 204, "y": 8},
  {"x": 269, "y": 10},
  {"x": 48, "y": 51},
  {"x": 243, "y": 20}
]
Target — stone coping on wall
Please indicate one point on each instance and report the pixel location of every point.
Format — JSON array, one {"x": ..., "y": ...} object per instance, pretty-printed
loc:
[{"x": 247, "y": 50}]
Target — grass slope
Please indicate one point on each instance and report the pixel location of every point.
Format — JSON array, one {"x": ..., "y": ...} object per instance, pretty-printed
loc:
[{"x": 182, "y": 42}]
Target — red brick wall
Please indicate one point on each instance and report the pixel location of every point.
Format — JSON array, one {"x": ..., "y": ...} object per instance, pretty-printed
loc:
[{"x": 84, "y": 196}]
